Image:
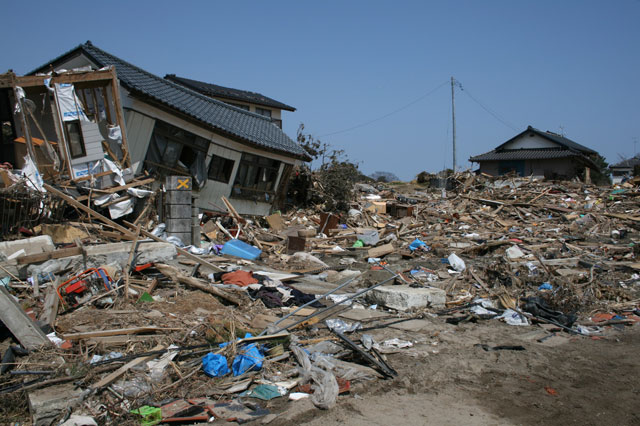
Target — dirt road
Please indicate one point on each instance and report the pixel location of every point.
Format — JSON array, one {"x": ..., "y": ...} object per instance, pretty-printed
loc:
[{"x": 446, "y": 380}]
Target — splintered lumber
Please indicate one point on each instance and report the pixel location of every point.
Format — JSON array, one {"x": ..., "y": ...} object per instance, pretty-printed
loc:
[
  {"x": 110, "y": 378},
  {"x": 87, "y": 210},
  {"x": 114, "y": 332},
  {"x": 28, "y": 334},
  {"x": 183, "y": 252},
  {"x": 174, "y": 274}
]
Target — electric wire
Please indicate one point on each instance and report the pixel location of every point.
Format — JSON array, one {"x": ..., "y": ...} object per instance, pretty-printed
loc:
[
  {"x": 487, "y": 109},
  {"x": 366, "y": 123}
]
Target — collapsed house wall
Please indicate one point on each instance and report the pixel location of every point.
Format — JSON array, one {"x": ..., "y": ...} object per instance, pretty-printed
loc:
[{"x": 227, "y": 165}]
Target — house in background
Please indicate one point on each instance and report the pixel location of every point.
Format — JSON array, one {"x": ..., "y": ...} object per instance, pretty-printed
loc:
[
  {"x": 174, "y": 130},
  {"x": 249, "y": 101},
  {"x": 537, "y": 153},
  {"x": 625, "y": 168}
]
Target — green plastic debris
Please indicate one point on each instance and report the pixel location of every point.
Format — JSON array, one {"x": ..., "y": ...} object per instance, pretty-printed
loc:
[
  {"x": 358, "y": 243},
  {"x": 145, "y": 297},
  {"x": 263, "y": 392},
  {"x": 150, "y": 415}
]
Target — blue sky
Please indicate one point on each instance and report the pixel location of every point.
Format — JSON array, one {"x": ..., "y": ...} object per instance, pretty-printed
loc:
[{"x": 569, "y": 66}]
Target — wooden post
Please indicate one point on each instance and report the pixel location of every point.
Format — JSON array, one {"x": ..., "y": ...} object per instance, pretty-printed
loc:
[
  {"x": 587, "y": 175},
  {"x": 115, "y": 90}
]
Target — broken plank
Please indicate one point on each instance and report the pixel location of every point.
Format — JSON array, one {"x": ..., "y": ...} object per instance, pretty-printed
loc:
[
  {"x": 129, "y": 185},
  {"x": 18, "y": 322},
  {"x": 105, "y": 381},
  {"x": 174, "y": 274},
  {"x": 381, "y": 251}
]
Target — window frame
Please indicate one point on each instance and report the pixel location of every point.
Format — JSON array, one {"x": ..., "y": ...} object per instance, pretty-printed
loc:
[
  {"x": 263, "y": 112},
  {"x": 226, "y": 169},
  {"x": 247, "y": 182},
  {"x": 68, "y": 136}
]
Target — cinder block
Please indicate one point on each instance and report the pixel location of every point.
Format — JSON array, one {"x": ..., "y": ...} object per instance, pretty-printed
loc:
[
  {"x": 404, "y": 298},
  {"x": 178, "y": 197},
  {"x": 179, "y": 183},
  {"x": 177, "y": 211},
  {"x": 179, "y": 225}
]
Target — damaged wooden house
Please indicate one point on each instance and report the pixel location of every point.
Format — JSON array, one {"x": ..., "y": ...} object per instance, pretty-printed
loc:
[
  {"x": 236, "y": 150},
  {"x": 537, "y": 153}
]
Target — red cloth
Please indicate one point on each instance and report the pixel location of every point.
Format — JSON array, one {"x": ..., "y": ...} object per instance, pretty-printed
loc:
[{"x": 239, "y": 278}]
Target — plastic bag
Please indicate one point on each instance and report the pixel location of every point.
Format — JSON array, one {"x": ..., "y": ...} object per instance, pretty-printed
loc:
[
  {"x": 215, "y": 365},
  {"x": 248, "y": 359},
  {"x": 326, "y": 388},
  {"x": 456, "y": 263}
]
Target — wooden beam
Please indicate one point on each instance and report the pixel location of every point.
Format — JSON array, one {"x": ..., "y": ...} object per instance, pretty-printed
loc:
[
  {"x": 174, "y": 274},
  {"x": 38, "y": 80},
  {"x": 87, "y": 210}
]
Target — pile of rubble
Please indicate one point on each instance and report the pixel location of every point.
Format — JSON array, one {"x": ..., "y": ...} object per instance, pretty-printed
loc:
[{"x": 106, "y": 320}]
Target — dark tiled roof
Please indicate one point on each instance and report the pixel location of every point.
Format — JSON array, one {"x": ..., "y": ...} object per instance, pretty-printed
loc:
[
  {"x": 216, "y": 91},
  {"x": 553, "y": 137},
  {"x": 525, "y": 154},
  {"x": 628, "y": 163},
  {"x": 235, "y": 122}
]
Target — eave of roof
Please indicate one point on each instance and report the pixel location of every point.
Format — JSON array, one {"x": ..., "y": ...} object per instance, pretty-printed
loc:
[
  {"x": 233, "y": 122},
  {"x": 214, "y": 90},
  {"x": 532, "y": 154}
]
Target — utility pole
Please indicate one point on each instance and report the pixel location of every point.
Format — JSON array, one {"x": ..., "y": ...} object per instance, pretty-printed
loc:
[{"x": 453, "y": 118}]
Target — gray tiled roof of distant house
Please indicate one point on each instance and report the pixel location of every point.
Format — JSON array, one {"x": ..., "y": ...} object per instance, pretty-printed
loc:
[
  {"x": 217, "y": 91},
  {"x": 628, "y": 163},
  {"x": 525, "y": 154},
  {"x": 553, "y": 137},
  {"x": 228, "y": 120}
]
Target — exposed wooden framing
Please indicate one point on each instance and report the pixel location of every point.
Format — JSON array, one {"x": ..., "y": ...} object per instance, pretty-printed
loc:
[
  {"x": 129, "y": 185},
  {"x": 47, "y": 255},
  {"x": 115, "y": 90},
  {"x": 107, "y": 107},
  {"x": 6, "y": 80}
]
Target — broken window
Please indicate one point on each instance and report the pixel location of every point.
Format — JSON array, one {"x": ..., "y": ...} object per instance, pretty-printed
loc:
[
  {"x": 256, "y": 178},
  {"x": 173, "y": 150},
  {"x": 220, "y": 169},
  {"x": 76, "y": 141}
]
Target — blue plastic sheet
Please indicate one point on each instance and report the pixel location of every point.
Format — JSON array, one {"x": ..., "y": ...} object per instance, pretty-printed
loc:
[
  {"x": 416, "y": 244},
  {"x": 215, "y": 365},
  {"x": 545, "y": 286},
  {"x": 248, "y": 359}
]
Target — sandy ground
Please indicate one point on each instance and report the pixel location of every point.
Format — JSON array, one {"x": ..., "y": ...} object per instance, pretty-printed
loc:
[{"x": 446, "y": 380}]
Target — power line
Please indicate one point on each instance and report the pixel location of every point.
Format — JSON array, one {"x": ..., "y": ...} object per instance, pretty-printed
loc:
[
  {"x": 487, "y": 109},
  {"x": 387, "y": 115}
]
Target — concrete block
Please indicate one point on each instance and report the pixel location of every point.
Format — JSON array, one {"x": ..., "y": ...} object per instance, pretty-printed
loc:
[
  {"x": 48, "y": 403},
  {"x": 29, "y": 245},
  {"x": 105, "y": 254},
  {"x": 404, "y": 298},
  {"x": 178, "y": 197},
  {"x": 177, "y": 211},
  {"x": 179, "y": 183},
  {"x": 178, "y": 225}
]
